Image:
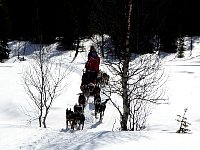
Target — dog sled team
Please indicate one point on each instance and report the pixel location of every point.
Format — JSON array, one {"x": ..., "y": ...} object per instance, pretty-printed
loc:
[{"x": 92, "y": 81}]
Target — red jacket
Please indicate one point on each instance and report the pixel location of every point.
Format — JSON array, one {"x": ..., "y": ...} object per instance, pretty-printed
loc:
[{"x": 93, "y": 64}]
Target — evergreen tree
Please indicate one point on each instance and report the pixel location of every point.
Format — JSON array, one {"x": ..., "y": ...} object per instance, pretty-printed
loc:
[{"x": 183, "y": 123}]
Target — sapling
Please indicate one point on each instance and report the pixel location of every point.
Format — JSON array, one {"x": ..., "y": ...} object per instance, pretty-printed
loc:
[{"x": 183, "y": 123}]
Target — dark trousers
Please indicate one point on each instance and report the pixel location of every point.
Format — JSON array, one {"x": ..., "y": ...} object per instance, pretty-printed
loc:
[{"x": 92, "y": 76}]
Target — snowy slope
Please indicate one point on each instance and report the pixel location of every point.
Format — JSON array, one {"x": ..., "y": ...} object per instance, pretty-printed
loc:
[{"x": 182, "y": 91}]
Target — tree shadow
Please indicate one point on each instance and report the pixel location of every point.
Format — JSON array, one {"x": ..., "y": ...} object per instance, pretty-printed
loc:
[{"x": 96, "y": 124}]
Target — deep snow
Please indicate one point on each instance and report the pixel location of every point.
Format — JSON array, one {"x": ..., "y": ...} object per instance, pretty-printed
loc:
[{"x": 160, "y": 134}]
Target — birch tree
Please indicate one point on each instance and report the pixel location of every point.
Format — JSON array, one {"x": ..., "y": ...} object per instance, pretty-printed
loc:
[
  {"x": 143, "y": 90},
  {"x": 125, "y": 68},
  {"x": 136, "y": 80}
]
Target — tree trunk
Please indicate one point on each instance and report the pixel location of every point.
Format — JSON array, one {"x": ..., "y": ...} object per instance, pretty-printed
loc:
[
  {"x": 44, "y": 120},
  {"x": 40, "y": 118},
  {"x": 77, "y": 47},
  {"x": 126, "y": 103},
  {"x": 102, "y": 44}
]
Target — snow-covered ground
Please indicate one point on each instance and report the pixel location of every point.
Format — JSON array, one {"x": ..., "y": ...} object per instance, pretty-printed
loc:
[{"x": 182, "y": 90}]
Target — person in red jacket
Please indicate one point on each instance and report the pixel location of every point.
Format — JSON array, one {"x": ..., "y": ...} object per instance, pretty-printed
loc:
[{"x": 92, "y": 64}]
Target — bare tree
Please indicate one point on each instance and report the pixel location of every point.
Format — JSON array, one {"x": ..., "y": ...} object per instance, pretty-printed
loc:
[
  {"x": 144, "y": 88},
  {"x": 136, "y": 80},
  {"x": 43, "y": 82}
]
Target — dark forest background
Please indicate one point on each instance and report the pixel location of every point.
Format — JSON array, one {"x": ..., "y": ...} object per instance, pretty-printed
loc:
[{"x": 41, "y": 21}]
